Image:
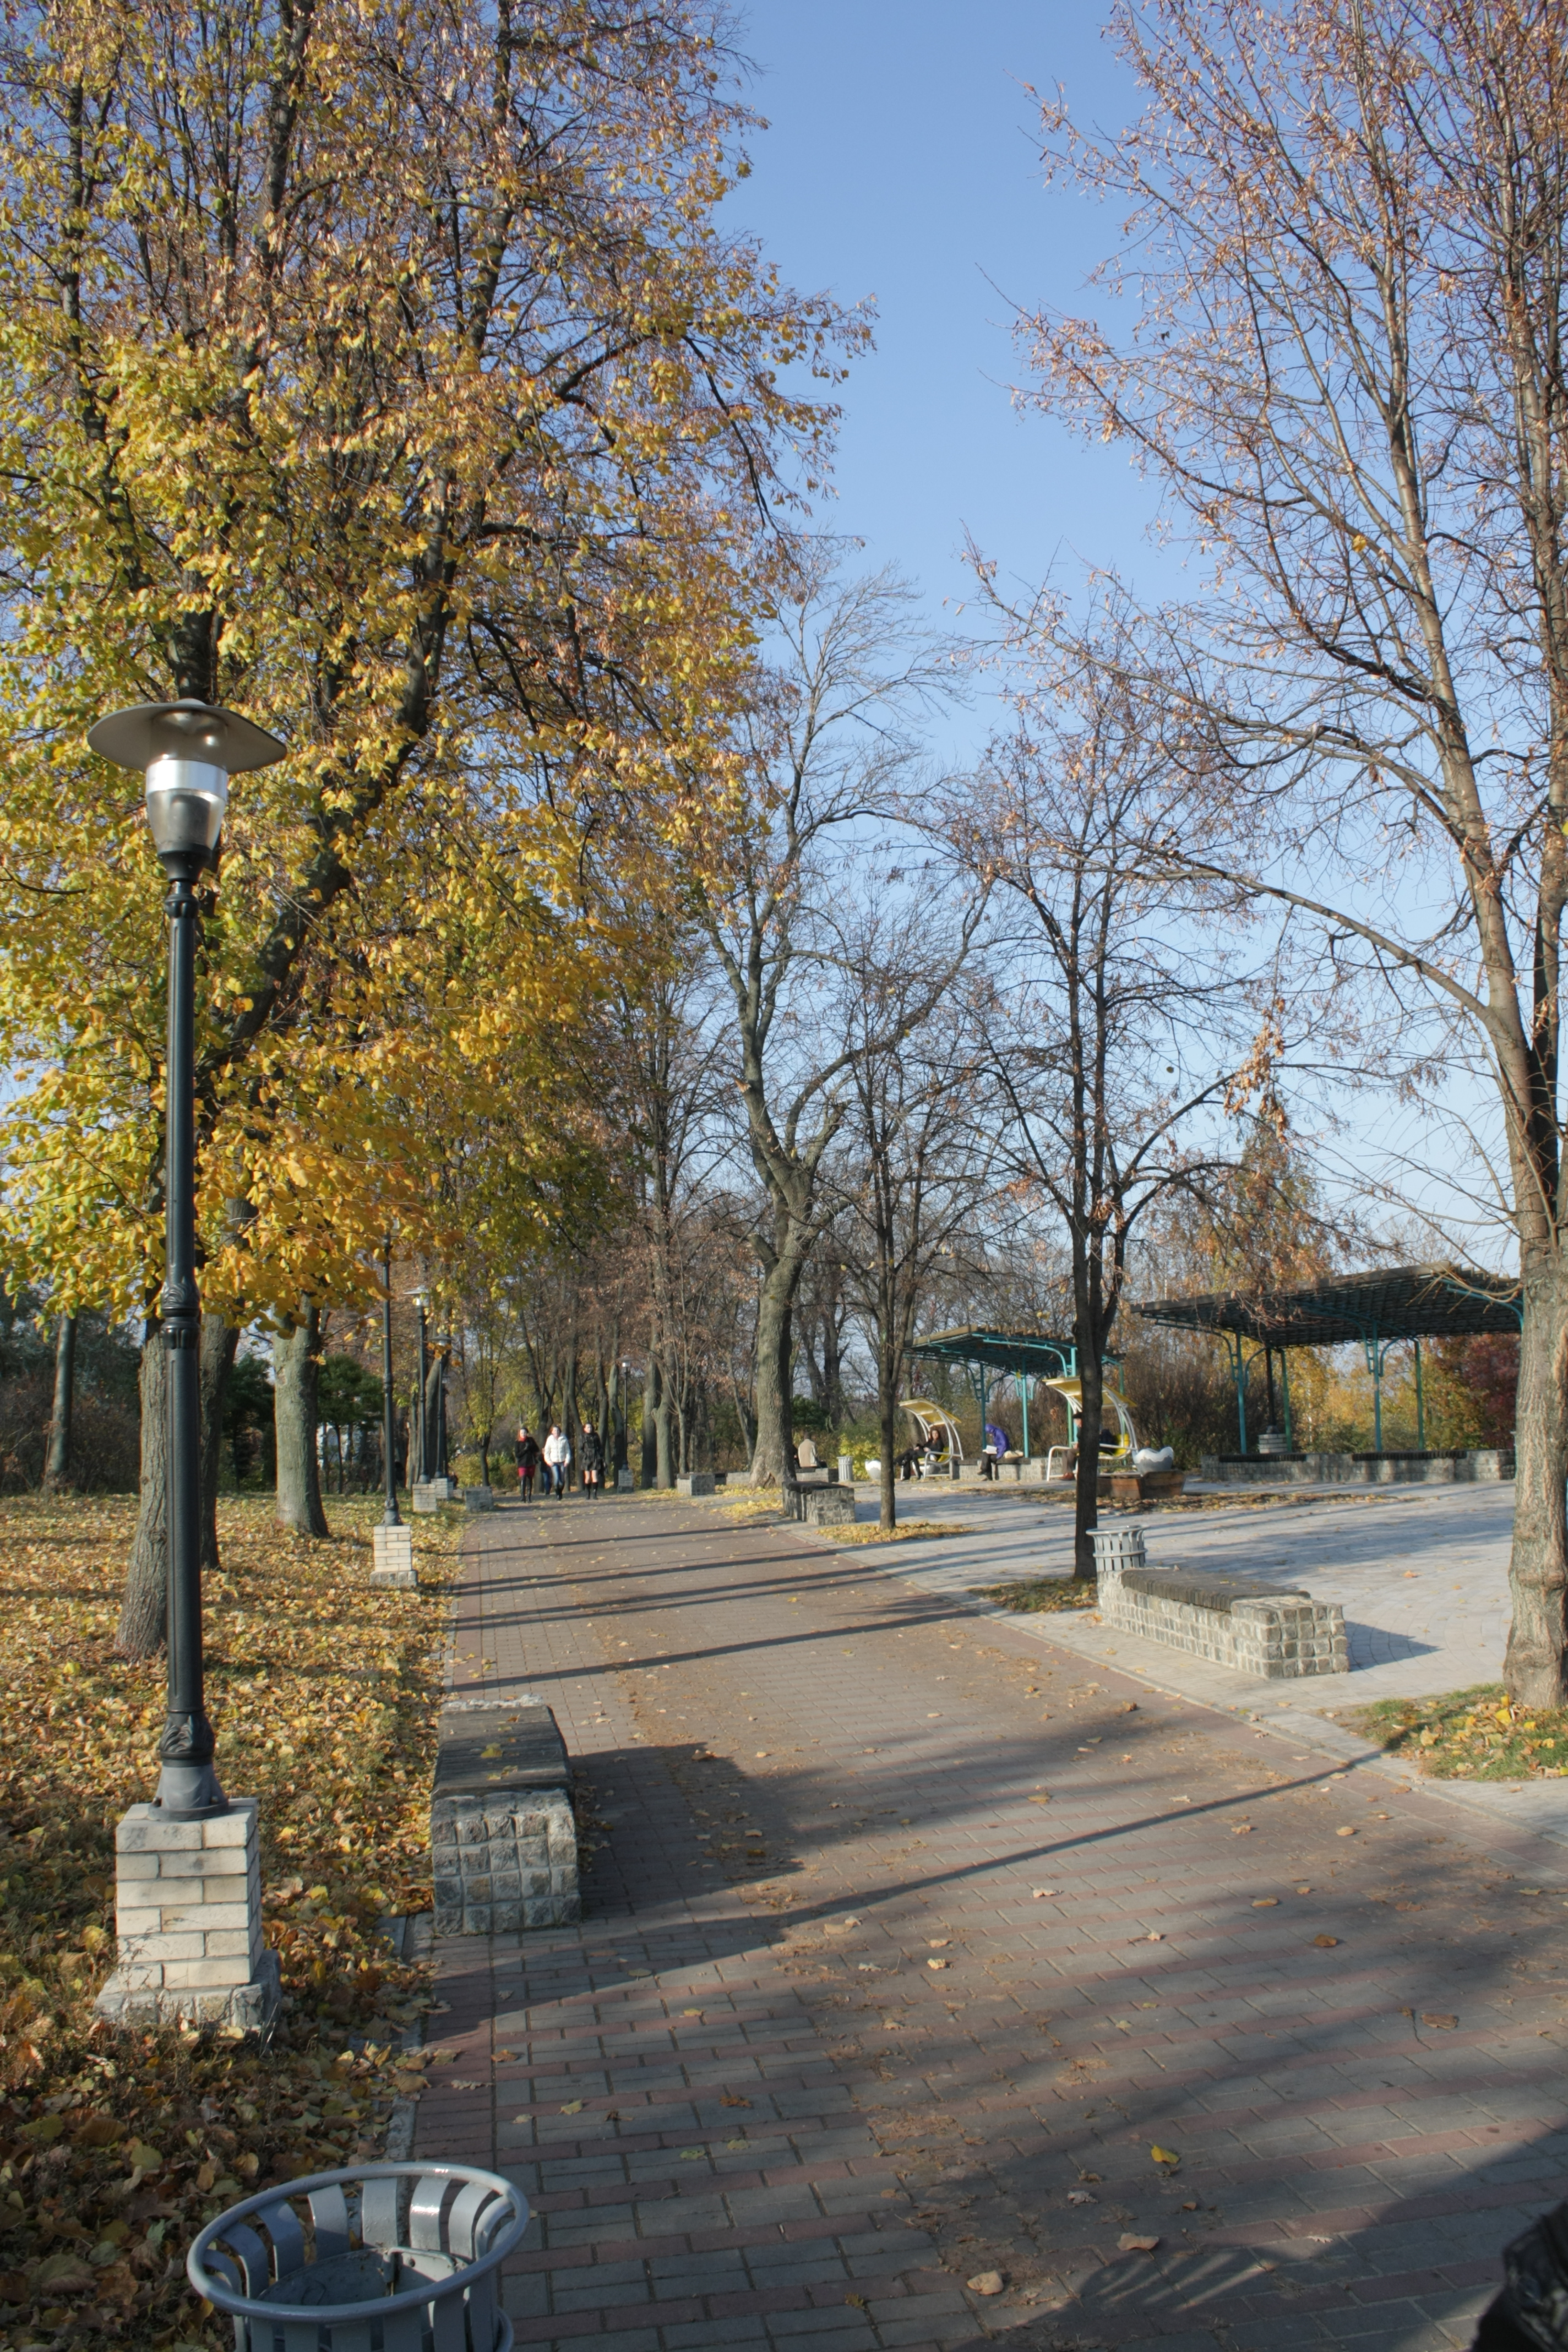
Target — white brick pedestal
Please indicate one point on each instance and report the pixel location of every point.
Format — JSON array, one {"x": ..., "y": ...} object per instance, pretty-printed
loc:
[
  {"x": 188, "y": 1912},
  {"x": 393, "y": 1556}
]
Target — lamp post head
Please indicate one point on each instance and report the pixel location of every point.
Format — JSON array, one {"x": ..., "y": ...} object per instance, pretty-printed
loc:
[{"x": 187, "y": 751}]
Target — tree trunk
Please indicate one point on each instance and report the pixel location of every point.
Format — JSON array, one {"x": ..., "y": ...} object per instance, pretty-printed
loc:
[
  {"x": 615, "y": 1423},
  {"x": 296, "y": 1358},
  {"x": 1086, "y": 1492},
  {"x": 219, "y": 1342},
  {"x": 771, "y": 1461},
  {"x": 650, "y": 1403},
  {"x": 571, "y": 1424},
  {"x": 143, "y": 1612},
  {"x": 887, "y": 1423},
  {"x": 1538, "y": 1571},
  {"x": 56, "y": 1469},
  {"x": 663, "y": 1458},
  {"x": 833, "y": 1372}
]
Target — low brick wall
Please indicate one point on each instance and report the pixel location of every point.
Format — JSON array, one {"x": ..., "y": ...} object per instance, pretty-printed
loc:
[
  {"x": 1273, "y": 1632},
  {"x": 503, "y": 1836},
  {"x": 1483, "y": 1465}
]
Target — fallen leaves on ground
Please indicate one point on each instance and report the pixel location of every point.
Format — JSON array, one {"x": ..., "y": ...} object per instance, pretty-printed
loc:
[
  {"x": 1471, "y": 1735},
  {"x": 907, "y": 1531},
  {"x": 116, "y": 2146},
  {"x": 1033, "y": 1593},
  {"x": 757, "y": 1502}
]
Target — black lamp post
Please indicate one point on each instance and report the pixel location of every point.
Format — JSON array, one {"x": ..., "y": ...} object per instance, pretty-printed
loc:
[
  {"x": 421, "y": 1301},
  {"x": 390, "y": 1517},
  {"x": 188, "y": 750},
  {"x": 442, "y": 1470}
]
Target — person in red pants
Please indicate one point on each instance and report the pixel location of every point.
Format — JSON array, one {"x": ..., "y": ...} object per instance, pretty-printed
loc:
[{"x": 527, "y": 1462}]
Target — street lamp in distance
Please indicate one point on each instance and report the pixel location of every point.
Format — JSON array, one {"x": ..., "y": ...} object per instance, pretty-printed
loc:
[
  {"x": 392, "y": 1543},
  {"x": 421, "y": 1460}
]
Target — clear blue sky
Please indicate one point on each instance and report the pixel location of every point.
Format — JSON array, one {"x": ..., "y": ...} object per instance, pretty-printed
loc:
[{"x": 901, "y": 164}]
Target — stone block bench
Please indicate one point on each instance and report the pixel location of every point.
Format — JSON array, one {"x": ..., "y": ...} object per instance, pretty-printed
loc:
[
  {"x": 1270, "y": 1631},
  {"x": 503, "y": 1837},
  {"x": 828, "y": 1505}
]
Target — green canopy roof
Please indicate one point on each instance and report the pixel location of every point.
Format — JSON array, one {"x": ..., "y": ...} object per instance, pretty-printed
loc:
[
  {"x": 1005, "y": 1352},
  {"x": 1396, "y": 1302}
]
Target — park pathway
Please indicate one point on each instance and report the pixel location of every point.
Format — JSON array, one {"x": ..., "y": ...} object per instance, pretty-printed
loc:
[{"x": 909, "y": 1939}]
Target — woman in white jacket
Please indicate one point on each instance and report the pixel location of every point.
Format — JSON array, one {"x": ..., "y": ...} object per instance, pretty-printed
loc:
[{"x": 558, "y": 1458}]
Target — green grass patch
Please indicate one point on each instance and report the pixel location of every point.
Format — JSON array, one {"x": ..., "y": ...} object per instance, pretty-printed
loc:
[
  {"x": 1468, "y": 1734},
  {"x": 1034, "y": 1593}
]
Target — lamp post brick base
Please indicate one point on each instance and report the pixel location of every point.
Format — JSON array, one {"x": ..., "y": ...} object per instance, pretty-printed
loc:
[
  {"x": 394, "y": 1557},
  {"x": 188, "y": 1916}
]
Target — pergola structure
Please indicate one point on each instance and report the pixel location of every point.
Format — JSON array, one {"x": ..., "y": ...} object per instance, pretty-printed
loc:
[
  {"x": 1024, "y": 1354},
  {"x": 1379, "y": 1311}
]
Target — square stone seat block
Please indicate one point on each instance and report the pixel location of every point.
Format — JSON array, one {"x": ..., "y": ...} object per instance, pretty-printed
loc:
[
  {"x": 500, "y": 1748},
  {"x": 824, "y": 1506},
  {"x": 503, "y": 1836}
]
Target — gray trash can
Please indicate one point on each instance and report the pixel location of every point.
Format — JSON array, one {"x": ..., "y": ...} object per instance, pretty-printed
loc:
[
  {"x": 1117, "y": 1547},
  {"x": 380, "y": 2258}
]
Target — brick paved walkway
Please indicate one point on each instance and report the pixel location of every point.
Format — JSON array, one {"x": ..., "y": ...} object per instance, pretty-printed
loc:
[{"x": 907, "y": 1941}]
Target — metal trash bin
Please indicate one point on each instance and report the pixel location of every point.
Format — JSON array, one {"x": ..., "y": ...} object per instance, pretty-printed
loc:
[
  {"x": 1117, "y": 1547},
  {"x": 379, "y": 2258}
]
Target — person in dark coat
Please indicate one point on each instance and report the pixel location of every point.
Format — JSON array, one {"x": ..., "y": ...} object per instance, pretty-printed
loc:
[
  {"x": 593, "y": 1459},
  {"x": 527, "y": 1462}
]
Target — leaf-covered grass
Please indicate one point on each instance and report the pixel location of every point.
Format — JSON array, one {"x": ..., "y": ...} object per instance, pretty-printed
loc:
[
  {"x": 1029, "y": 1595},
  {"x": 116, "y": 2146},
  {"x": 754, "y": 1505},
  {"x": 1471, "y": 1735},
  {"x": 907, "y": 1531}
]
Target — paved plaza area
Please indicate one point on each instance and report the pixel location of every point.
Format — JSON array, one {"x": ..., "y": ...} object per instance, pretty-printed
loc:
[
  {"x": 1421, "y": 1571},
  {"x": 940, "y": 1985}
]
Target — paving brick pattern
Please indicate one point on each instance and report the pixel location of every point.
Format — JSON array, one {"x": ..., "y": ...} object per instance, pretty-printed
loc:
[{"x": 907, "y": 1940}]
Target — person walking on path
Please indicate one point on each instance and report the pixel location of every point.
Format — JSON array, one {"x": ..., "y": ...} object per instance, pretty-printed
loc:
[
  {"x": 557, "y": 1460},
  {"x": 527, "y": 1462},
  {"x": 593, "y": 1459}
]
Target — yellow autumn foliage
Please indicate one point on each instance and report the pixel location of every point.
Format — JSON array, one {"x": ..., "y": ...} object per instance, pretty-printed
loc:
[{"x": 379, "y": 370}]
